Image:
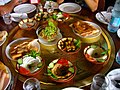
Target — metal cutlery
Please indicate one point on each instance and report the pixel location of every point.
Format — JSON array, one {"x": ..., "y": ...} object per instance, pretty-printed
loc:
[{"x": 104, "y": 18}]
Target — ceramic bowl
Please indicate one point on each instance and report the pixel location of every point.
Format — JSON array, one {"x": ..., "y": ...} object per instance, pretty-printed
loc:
[
  {"x": 30, "y": 66},
  {"x": 61, "y": 70},
  {"x": 27, "y": 24},
  {"x": 95, "y": 54},
  {"x": 69, "y": 45}
]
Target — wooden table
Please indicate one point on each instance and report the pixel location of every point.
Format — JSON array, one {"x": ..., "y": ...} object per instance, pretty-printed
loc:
[{"x": 84, "y": 12}]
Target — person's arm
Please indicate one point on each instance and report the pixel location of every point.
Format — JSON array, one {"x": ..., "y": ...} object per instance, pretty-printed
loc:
[
  {"x": 60, "y": 1},
  {"x": 92, "y": 4},
  {"x": 9, "y": 7}
]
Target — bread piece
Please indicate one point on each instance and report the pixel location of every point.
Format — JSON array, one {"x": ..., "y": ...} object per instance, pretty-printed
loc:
[
  {"x": 4, "y": 76},
  {"x": 3, "y": 34}
]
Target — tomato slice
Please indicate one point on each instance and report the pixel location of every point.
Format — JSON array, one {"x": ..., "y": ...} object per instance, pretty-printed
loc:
[
  {"x": 66, "y": 15},
  {"x": 23, "y": 70},
  {"x": 63, "y": 61}
]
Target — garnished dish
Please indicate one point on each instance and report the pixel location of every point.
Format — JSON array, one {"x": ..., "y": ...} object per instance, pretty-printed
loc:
[
  {"x": 27, "y": 24},
  {"x": 5, "y": 76},
  {"x": 61, "y": 70},
  {"x": 69, "y": 45},
  {"x": 96, "y": 54},
  {"x": 3, "y": 35},
  {"x": 20, "y": 47},
  {"x": 49, "y": 32},
  {"x": 30, "y": 64},
  {"x": 57, "y": 16},
  {"x": 89, "y": 32}
]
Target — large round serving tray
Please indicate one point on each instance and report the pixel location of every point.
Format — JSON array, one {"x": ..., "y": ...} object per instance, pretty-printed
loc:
[{"x": 85, "y": 69}]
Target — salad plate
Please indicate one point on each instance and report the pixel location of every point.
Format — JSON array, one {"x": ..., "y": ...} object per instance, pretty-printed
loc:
[
  {"x": 70, "y": 7},
  {"x": 101, "y": 19}
]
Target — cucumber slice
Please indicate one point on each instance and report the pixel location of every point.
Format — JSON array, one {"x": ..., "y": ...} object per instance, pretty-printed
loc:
[{"x": 20, "y": 61}]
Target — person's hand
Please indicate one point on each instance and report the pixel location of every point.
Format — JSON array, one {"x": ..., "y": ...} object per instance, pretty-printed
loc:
[{"x": 5, "y": 9}]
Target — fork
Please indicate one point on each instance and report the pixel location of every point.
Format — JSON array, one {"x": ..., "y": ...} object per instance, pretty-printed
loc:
[{"x": 106, "y": 20}]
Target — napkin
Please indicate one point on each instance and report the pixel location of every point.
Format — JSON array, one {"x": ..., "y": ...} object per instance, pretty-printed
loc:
[{"x": 18, "y": 16}]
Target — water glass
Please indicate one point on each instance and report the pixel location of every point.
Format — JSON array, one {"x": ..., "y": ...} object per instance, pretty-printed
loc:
[
  {"x": 7, "y": 18},
  {"x": 109, "y": 9},
  {"x": 100, "y": 82},
  {"x": 31, "y": 84},
  {"x": 118, "y": 57},
  {"x": 50, "y": 7}
]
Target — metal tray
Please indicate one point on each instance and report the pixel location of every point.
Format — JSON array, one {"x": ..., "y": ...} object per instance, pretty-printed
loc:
[{"x": 85, "y": 69}]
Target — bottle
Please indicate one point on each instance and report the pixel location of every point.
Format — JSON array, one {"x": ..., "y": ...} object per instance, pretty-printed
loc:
[{"x": 114, "y": 23}]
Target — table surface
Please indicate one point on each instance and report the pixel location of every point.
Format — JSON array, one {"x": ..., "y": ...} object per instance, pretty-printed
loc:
[{"x": 84, "y": 12}]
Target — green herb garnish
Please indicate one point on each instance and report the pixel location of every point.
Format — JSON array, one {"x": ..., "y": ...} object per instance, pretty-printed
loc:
[
  {"x": 100, "y": 60},
  {"x": 33, "y": 53},
  {"x": 51, "y": 74},
  {"x": 71, "y": 69},
  {"x": 105, "y": 52},
  {"x": 77, "y": 43},
  {"x": 93, "y": 46}
]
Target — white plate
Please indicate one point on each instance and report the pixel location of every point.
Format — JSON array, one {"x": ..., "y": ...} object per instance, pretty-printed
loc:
[
  {"x": 114, "y": 75},
  {"x": 2, "y": 42},
  {"x": 54, "y": 4},
  {"x": 53, "y": 42},
  {"x": 72, "y": 88},
  {"x": 25, "y": 8},
  {"x": 70, "y": 7},
  {"x": 33, "y": 43},
  {"x": 100, "y": 18},
  {"x": 118, "y": 33}
]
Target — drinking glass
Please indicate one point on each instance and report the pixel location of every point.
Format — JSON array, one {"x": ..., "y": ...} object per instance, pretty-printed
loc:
[
  {"x": 7, "y": 18},
  {"x": 31, "y": 84},
  {"x": 100, "y": 82},
  {"x": 50, "y": 7},
  {"x": 109, "y": 9}
]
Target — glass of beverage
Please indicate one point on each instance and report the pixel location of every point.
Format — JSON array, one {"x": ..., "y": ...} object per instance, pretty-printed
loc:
[
  {"x": 100, "y": 82},
  {"x": 50, "y": 7},
  {"x": 7, "y": 18},
  {"x": 31, "y": 84},
  {"x": 109, "y": 9}
]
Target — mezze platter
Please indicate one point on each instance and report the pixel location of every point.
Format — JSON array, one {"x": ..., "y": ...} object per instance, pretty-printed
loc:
[{"x": 85, "y": 70}]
